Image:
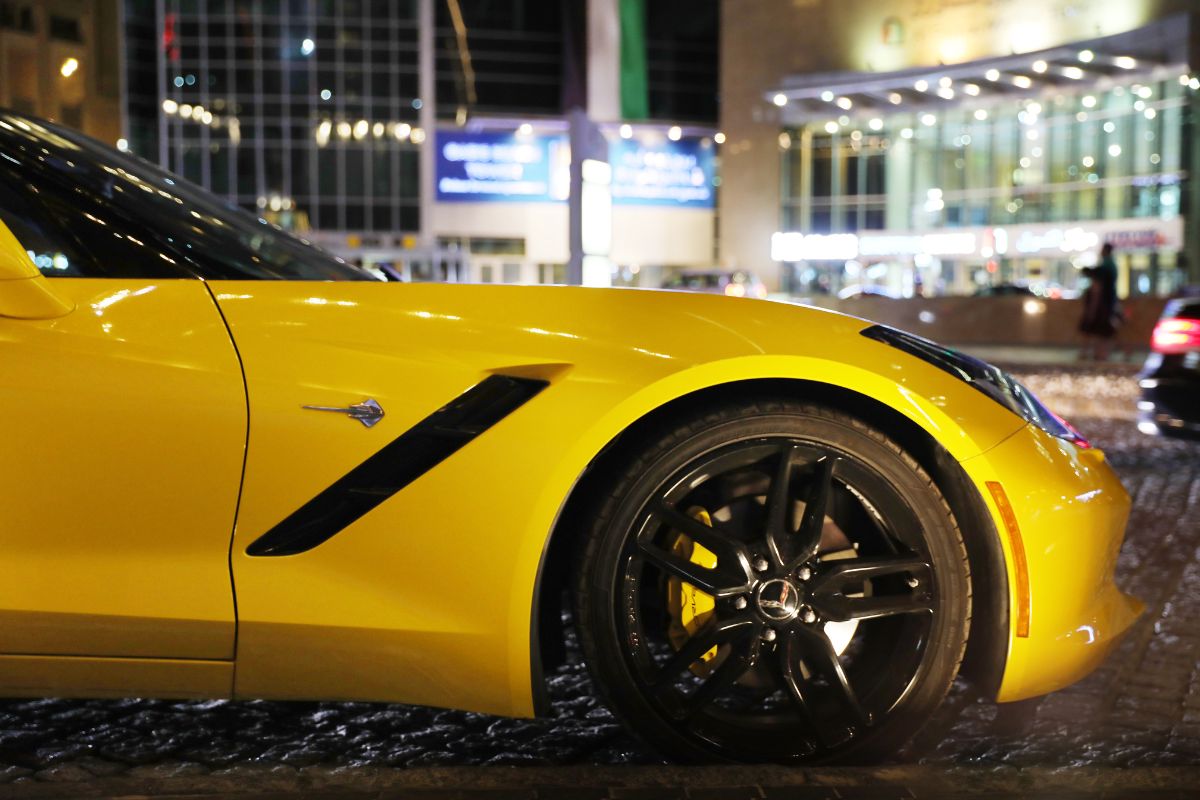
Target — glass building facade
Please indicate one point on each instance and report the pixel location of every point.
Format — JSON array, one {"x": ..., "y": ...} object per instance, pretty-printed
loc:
[
  {"x": 306, "y": 109},
  {"x": 1033, "y": 162},
  {"x": 527, "y": 57},
  {"x": 502, "y": 58},
  {"x": 309, "y": 110}
]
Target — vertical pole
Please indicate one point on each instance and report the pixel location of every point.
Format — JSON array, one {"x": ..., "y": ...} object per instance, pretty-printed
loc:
[
  {"x": 232, "y": 162},
  {"x": 339, "y": 98},
  {"x": 122, "y": 76},
  {"x": 603, "y": 104},
  {"x": 578, "y": 123},
  {"x": 802, "y": 221},
  {"x": 260, "y": 129},
  {"x": 603, "y": 60},
  {"x": 1189, "y": 194},
  {"x": 367, "y": 193},
  {"x": 313, "y": 201},
  {"x": 160, "y": 65},
  {"x": 428, "y": 121},
  {"x": 205, "y": 131}
]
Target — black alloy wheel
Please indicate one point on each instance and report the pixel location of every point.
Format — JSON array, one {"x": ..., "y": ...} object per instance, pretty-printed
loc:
[{"x": 774, "y": 582}]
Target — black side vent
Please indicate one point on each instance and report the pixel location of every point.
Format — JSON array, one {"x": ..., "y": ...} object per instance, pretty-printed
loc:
[{"x": 406, "y": 458}]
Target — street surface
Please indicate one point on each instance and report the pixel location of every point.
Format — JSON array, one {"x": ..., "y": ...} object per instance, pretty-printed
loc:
[{"x": 1140, "y": 710}]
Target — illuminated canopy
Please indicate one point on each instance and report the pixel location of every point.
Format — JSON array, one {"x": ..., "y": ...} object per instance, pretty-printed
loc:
[{"x": 1152, "y": 52}]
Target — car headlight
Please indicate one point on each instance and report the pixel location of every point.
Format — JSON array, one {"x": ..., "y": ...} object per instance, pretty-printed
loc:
[{"x": 987, "y": 378}]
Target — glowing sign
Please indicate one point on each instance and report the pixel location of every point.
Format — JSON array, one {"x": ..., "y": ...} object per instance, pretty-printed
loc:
[
  {"x": 670, "y": 173},
  {"x": 932, "y": 244},
  {"x": 1066, "y": 240},
  {"x": 813, "y": 247},
  {"x": 845, "y": 246},
  {"x": 496, "y": 166},
  {"x": 488, "y": 166}
]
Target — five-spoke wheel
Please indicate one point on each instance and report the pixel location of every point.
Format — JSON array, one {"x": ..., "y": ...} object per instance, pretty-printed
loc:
[{"x": 780, "y": 583}]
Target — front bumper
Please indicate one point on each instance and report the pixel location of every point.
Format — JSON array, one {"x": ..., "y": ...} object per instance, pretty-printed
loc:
[{"x": 1071, "y": 511}]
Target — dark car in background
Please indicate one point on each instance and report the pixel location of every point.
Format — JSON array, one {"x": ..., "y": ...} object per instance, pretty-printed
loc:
[
  {"x": 1170, "y": 382},
  {"x": 1006, "y": 290},
  {"x": 732, "y": 283}
]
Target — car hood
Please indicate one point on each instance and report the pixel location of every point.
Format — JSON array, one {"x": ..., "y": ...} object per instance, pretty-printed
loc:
[
  {"x": 619, "y": 342},
  {"x": 541, "y": 321}
]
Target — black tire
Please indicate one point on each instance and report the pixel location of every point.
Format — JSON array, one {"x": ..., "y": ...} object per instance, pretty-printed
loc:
[{"x": 829, "y": 654}]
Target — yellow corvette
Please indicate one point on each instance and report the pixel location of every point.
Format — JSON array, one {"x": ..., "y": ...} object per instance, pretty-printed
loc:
[{"x": 234, "y": 466}]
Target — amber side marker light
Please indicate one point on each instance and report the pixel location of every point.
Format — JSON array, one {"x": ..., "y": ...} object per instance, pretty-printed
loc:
[{"x": 1018, "y": 550}]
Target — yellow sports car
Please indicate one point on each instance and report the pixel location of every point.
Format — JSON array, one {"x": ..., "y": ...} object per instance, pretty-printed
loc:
[{"x": 234, "y": 466}]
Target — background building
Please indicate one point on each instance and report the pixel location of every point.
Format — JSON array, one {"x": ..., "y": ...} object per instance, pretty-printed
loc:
[
  {"x": 909, "y": 147},
  {"x": 438, "y": 150},
  {"x": 509, "y": 74},
  {"x": 60, "y": 59},
  {"x": 305, "y": 110}
]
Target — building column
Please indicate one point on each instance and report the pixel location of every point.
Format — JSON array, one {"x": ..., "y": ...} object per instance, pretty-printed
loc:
[
  {"x": 806, "y": 185},
  {"x": 427, "y": 119},
  {"x": 1190, "y": 204},
  {"x": 587, "y": 141},
  {"x": 160, "y": 64},
  {"x": 604, "y": 60}
]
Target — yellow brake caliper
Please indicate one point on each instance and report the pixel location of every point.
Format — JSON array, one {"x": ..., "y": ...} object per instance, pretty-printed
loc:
[{"x": 691, "y": 608}]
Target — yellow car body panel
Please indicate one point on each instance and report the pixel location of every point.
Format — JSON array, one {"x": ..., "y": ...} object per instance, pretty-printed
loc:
[
  {"x": 1072, "y": 512},
  {"x": 60, "y": 676},
  {"x": 158, "y": 431},
  {"x": 125, "y": 425},
  {"x": 429, "y": 597}
]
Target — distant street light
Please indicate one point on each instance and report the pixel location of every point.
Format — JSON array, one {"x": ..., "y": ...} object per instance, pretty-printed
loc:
[{"x": 69, "y": 67}]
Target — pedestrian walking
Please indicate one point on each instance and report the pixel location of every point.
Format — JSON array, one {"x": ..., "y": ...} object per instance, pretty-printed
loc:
[{"x": 1101, "y": 310}]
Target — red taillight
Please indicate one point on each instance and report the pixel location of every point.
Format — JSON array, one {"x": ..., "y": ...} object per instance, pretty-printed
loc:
[{"x": 1176, "y": 336}]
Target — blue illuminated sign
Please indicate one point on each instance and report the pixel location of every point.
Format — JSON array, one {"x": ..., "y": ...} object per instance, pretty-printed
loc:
[
  {"x": 483, "y": 167},
  {"x": 666, "y": 173},
  {"x": 488, "y": 167}
]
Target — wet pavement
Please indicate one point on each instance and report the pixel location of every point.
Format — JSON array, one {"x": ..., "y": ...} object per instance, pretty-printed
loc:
[{"x": 1141, "y": 709}]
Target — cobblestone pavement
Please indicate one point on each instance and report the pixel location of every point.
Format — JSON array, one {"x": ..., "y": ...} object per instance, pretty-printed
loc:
[{"x": 1141, "y": 709}]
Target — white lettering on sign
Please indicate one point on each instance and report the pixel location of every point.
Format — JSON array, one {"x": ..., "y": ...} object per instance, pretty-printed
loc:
[
  {"x": 495, "y": 172},
  {"x": 467, "y": 186},
  {"x": 500, "y": 153}
]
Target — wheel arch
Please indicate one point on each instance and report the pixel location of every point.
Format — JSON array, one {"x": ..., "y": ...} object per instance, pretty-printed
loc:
[{"x": 987, "y": 645}]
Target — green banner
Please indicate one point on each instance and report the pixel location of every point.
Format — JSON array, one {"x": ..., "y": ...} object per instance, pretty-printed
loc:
[{"x": 635, "y": 93}]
